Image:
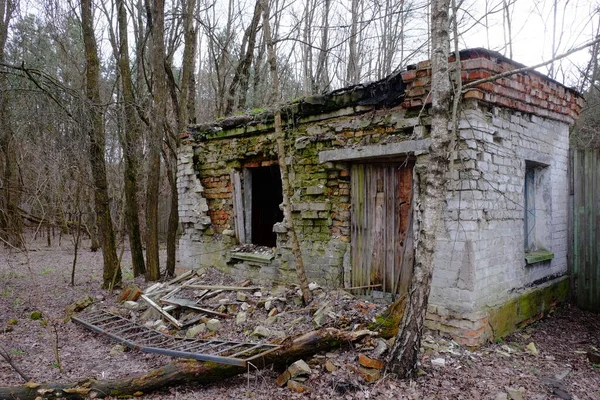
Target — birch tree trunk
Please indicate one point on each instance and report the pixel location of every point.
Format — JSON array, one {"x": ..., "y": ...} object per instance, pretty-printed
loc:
[
  {"x": 281, "y": 154},
  {"x": 95, "y": 128},
  {"x": 402, "y": 359}
]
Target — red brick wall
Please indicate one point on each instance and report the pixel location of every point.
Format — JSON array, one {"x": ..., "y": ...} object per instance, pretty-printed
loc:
[
  {"x": 216, "y": 189},
  {"x": 530, "y": 91}
]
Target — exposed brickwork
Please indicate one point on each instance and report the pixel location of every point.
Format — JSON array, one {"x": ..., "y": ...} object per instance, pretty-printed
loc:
[
  {"x": 218, "y": 193},
  {"x": 529, "y": 92}
]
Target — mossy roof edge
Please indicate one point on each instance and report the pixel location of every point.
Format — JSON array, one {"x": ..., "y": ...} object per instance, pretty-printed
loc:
[{"x": 387, "y": 92}]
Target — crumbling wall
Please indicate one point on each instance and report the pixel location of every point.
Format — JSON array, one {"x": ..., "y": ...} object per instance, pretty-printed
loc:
[{"x": 320, "y": 190}]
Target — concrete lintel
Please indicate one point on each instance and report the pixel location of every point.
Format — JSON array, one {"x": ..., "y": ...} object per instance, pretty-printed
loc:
[
  {"x": 536, "y": 157},
  {"x": 408, "y": 147}
]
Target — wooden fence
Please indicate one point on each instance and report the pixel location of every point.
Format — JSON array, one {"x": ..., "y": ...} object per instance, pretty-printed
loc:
[{"x": 585, "y": 254}]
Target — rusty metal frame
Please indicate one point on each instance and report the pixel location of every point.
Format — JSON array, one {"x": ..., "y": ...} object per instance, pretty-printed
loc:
[{"x": 134, "y": 336}]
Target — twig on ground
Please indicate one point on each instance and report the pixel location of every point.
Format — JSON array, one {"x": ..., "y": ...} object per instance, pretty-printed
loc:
[{"x": 6, "y": 356}]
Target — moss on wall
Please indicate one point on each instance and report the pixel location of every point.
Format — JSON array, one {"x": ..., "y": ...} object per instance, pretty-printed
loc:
[{"x": 527, "y": 307}]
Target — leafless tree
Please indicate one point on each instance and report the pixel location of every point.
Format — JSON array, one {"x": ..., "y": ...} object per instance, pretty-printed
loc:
[{"x": 95, "y": 131}]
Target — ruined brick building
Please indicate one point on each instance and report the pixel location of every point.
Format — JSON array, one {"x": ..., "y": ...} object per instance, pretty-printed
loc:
[{"x": 501, "y": 255}]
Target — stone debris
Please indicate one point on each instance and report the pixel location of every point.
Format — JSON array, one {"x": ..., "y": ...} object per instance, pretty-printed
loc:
[
  {"x": 369, "y": 375},
  {"x": 297, "y": 370},
  {"x": 213, "y": 324},
  {"x": 321, "y": 316},
  {"x": 130, "y": 293},
  {"x": 117, "y": 350},
  {"x": 516, "y": 393},
  {"x": 369, "y": 362},
  {"x": 261, "y": 331},
  {"x": 297, "y": 386},
  {"x": 438, "y": 362},
  {"x": 269, "y": 304},
  {"x": 241, "y": 318},
  {"x": 79, "y": 305},
  {"x": 132, "y": 305},
  {"x": 531, "y": 349},
  {"x": 195, "y": 330},
  {"x": 381, "y": 348},
  {"x": 330, "y": 366}
]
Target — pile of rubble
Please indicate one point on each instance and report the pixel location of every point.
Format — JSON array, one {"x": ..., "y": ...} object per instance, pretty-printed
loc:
[{"x": 207, "y": 304}]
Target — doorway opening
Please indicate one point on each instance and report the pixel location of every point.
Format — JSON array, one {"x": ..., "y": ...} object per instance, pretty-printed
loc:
[{"x": 267, "y": 194}]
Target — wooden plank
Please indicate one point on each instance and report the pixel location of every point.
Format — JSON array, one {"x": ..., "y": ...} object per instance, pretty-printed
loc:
[
  {"x": 356, "y": 231},
  {"x": 180, "y": 288},
  {"x": 222, "y": 288},
  {"x": 248, "y": 204},
  {"x": 194, "y": 306},
  {"x": 158, "y": 308},
  {"x": 238, "y": 207},
  {"x": 377, "y": 222},
  {"x": 179, "y": 278}
]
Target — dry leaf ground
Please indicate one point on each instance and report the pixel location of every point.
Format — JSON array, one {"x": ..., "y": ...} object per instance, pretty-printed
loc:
[{"x": 39, "y": 281}]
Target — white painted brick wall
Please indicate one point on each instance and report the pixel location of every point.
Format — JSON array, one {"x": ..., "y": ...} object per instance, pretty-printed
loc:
[
  {"x": 193, "y": 209},
  {"x": 490, "y": 194}
]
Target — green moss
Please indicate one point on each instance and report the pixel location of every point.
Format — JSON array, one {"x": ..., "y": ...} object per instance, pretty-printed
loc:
[
  {"x": 527, "y": 307},
  {"x": 538, "y": 256},
  {"x": 36, "y": 315}
]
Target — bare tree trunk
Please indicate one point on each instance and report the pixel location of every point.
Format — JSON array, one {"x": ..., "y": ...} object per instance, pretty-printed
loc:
[
  {"x": 508, "y": 29},
  {"x": 402, "y": 359},
  {"x": 352, "y": 73},
  {"x": 97, "y": 144},
  {"x": 10, "y": 193},
  {"x": 159, "y": 107},
  {"x": 131, "y": 139},
  {"x": 322, "y": 75},
  {"x": 281, "y": 155},
  {"x": 242, "y": 72},
  {"x": 307, "y": 49}
]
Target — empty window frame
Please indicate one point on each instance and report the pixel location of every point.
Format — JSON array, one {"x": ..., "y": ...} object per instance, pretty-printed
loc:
[{"x": 537, "y": 212}]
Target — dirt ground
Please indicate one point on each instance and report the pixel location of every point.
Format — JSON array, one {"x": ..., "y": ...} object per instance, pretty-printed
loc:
[{"x": 39, "y": 281}]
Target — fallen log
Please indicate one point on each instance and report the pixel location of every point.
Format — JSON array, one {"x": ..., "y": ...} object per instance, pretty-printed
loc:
[{"x": 183, "y": 371}]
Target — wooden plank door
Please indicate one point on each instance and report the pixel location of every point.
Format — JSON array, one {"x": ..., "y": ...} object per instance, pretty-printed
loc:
[{"x": 381, "y": 196}]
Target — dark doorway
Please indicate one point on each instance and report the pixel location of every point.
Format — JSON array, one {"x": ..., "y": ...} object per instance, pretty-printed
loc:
[{"x": 267, "y": 195}]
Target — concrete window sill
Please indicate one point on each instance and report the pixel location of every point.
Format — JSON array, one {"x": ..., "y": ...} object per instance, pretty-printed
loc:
[
  {"x": 534, "y": 257},
  {"x": 263, "y": 258}
]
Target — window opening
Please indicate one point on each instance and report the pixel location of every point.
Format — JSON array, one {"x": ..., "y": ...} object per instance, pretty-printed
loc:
[
  {"x": 537, "y": 213},
  {"x": 529, "y": 208}
]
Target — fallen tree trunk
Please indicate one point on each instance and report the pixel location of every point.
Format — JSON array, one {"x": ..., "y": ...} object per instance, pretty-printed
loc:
[{"x": 183, "y": 371}]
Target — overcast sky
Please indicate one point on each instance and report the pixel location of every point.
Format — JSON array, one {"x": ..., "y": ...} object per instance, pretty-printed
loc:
[{"x": 532, "y": 32}]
